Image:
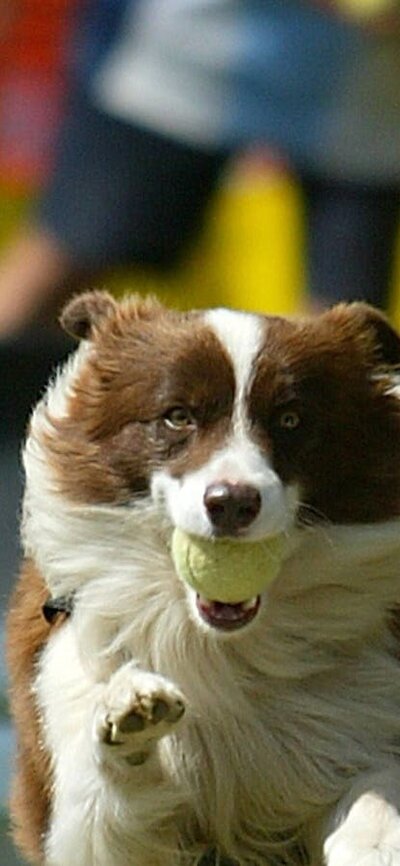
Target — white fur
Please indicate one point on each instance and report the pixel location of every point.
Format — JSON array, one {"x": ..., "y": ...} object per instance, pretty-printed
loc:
[
  {"x": 242, "y": 335},
  {"x": 42, "y": 507},
  {"x": 285, "y": 722},
  {"x": 268, "y": 747},
  {"x": 370, "y": 832},
  {"x": 240, "y": 459},
  {"x": 93, "y": 822}
]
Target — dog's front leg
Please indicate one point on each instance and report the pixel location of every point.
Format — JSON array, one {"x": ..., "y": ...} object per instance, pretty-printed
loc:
[
  {"x": 114, "y": 803},
  {"x": 134, "y": 712},
  {"x": 365, "y": 830}
]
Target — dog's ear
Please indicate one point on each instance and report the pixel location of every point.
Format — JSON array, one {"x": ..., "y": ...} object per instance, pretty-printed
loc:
[
  {"x": 85, "y": 311},
  {"x": 387, "y": 340},
  {"x": 371, "y": 327}
]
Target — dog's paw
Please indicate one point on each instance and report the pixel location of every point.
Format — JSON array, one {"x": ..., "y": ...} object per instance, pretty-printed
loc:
[
  {"x": 369, "y": 836},
  {"x": 137, "y": 709}
]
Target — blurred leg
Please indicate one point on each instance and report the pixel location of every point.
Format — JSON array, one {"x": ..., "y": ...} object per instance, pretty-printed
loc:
[
  {"x": 123, "y": 194},
  {"x": 119, "y": 194},
  {"x": 33, "y": 270},
  {"x": 351, "y": 233}
]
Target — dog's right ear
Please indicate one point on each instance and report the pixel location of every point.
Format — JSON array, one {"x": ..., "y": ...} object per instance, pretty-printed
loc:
[
  {"x": 85, "y": 311},
  {"x": 372, "y": 328}
]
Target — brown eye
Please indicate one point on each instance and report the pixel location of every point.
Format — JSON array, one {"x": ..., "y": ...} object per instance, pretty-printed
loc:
[
  {"x": 289, "y": 420},
  {"x": 179, "y": 418}
]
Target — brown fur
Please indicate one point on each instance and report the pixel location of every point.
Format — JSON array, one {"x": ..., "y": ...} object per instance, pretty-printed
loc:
[
  {"x": 114, "y": 435},
  {"x": 27, "y": 633},
  {"x": 334, "y": 372}
]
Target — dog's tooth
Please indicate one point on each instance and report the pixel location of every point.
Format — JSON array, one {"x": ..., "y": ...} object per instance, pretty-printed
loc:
[{"x": 252, "y": 602}]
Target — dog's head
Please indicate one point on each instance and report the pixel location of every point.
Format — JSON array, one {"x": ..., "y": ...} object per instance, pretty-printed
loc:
[{"x": 225, "y": 424}]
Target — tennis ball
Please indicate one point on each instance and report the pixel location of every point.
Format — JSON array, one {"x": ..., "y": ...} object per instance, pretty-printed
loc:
[{"x": 226, "y": 570}]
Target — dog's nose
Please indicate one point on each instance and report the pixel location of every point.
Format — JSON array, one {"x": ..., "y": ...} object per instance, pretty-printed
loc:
[{"x": 231, "y": 507}]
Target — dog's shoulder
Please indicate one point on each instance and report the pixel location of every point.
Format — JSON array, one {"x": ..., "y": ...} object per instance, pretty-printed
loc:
[
  {"x": 27, "y": 634},
  {"x": 27, "y": 628}
]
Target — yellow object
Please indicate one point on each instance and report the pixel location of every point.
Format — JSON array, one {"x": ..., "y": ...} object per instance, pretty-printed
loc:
[
  {"x": 249, "y": 256},
  {"x": 225, "y": 570},
  {"x": 366, "y": 8}
]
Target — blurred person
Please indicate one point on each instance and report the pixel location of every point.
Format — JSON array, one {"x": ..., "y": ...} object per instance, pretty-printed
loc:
[{"x": 166, "y": 92}]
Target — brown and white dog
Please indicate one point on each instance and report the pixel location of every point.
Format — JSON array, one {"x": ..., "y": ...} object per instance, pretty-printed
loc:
[{"x": 152, "y": 725}]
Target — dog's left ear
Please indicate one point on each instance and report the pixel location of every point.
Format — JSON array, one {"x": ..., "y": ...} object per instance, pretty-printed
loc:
[
  {"x": 373, "y": 328},
  {"x": 90, "y": 311},
  {"x": 85, "y": 311}
]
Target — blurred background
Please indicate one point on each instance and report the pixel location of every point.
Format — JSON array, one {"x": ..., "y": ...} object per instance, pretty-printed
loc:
[{"x": 217, "y": 153}]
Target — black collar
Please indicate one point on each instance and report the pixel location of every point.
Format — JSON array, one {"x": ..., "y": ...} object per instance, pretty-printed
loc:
[{"x": 54, "y": 606}]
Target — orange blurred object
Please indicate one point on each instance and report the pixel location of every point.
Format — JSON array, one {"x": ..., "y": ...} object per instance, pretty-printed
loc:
[{"x": 32, "y": 86}]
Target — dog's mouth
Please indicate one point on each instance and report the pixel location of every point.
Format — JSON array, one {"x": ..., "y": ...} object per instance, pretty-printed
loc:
[{"x": 226, "y": 616}]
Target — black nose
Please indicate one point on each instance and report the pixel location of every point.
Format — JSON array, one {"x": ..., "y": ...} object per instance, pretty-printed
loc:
[{"x": 231, "y": 507}]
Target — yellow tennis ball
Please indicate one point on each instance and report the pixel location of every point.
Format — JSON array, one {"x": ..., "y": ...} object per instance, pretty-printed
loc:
[{"x": 226, "y": 570}]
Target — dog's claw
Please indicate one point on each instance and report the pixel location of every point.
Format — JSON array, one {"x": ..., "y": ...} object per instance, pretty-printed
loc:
[{"x": 137, "y": 709}]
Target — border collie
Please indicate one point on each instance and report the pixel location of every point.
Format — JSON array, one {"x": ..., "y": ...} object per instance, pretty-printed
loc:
[{"x": 151, "y": 728}]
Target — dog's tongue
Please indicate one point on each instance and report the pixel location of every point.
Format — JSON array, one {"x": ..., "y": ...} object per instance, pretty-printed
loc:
[{"x": 227, "y": 617}]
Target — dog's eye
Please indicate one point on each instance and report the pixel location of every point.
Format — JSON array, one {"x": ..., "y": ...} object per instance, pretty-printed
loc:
[
  {"x": 179, "y": 418},
  {"x": 289, "y": 420}
]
